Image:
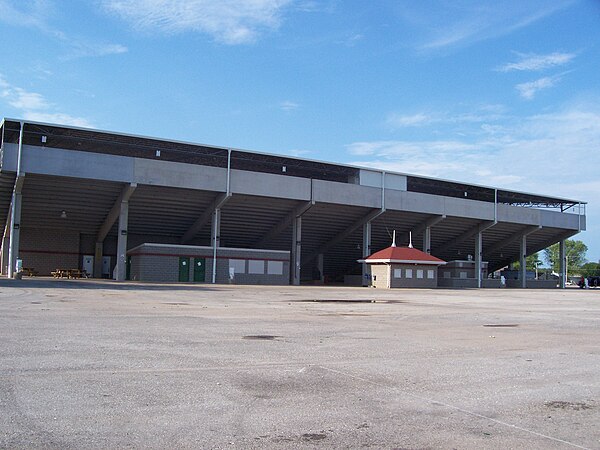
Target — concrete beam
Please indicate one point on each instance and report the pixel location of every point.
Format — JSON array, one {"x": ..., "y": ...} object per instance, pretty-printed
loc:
[
  {"x": 343, "y": 235},
  {"x": 478, "y": 258},
  {"x": 526, "y": 231},
  {"x": 114, "y": 212},
  {"x": 425, "y": 227},
  {"x": 479, "y": 228},
  {"x": 283, "y": 224},
  {"x": 205, "y": 217}
]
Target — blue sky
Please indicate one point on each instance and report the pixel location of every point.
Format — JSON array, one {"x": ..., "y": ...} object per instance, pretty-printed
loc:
[{"x": 497, "y": 93}]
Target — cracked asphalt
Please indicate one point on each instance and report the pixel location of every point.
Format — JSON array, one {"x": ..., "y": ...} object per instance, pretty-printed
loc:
[{"x": 99, "y": 364}]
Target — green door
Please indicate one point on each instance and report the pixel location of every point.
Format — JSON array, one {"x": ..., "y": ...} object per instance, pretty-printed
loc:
[
  {"x": 199, "y": 269},
  {"x": 184, "y": 269},
  {"x": 128, "y": 268}
]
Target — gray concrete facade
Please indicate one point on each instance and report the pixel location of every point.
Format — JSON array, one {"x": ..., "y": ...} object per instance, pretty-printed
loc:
[{"x": 180, "y": 193}]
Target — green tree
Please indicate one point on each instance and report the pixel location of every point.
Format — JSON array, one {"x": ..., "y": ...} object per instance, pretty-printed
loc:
[
  {"x": 530, "y": 262},
  {"x": 590, "y": 269},
  {"x": 575, "y": 251}
]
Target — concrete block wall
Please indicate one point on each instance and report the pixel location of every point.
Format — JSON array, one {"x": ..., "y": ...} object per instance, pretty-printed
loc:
[
  {"x": 414, "y": 282},
  {"x": 48, "y": 249},
  {"x": 160, "y": 262}
]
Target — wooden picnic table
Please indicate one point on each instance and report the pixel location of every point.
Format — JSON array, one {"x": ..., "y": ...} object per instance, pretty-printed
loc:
[
  {"x": 29, "y": 271},
  {"x": 69, "y": 273}
]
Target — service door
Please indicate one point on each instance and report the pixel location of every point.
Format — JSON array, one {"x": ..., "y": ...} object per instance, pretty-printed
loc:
[
  {"x": 200, "y": 270},
  {"x": 88, "y": 264},
  {"x": 184, "y": 269}
]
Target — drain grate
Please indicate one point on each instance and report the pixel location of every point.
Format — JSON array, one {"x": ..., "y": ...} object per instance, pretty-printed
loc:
[
  {"x": 175, "y": 303},
  {"x": 261, "y": 337},
  {"x": 501, "y": 325}
]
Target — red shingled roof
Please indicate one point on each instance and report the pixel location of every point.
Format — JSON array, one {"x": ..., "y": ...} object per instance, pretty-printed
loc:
[{"x": 403, "y": 255}]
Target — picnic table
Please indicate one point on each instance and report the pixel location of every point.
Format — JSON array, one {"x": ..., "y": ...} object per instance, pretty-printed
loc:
[
  {"x": 69, "y": 273},
  {"x": 29, "y": 271}
]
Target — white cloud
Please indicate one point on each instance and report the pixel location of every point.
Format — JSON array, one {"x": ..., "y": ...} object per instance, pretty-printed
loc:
[
  {"x": 34, "y": 106},
  {"x": 38, "y": 14},
  {"x": 21, "y": 99},
  {"x": 533, "y": 62},
  {"x": 545, "y": 153},
  {"x": 529, "y": 89},
  {"x": 400, "y": 121},
  {"x": 227, "y": 21},
  {"x": 288, "y": 106},
  {"x": 475, "y": 23}
]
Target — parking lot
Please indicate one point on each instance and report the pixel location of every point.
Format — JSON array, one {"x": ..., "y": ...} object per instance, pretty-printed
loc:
[{"x": 92, "y": 364}]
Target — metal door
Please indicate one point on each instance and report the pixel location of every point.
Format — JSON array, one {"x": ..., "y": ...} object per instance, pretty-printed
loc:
[
  {"x": 184, "y": 269},
  {"x": 200, "y": 269},
  {"x": 88, "y": 264}
]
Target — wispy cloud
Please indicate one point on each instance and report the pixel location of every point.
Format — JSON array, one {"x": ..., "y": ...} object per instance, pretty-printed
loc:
[
  {"x": 529, "y": 89},
  {"x": 37, "y": 14},
  {"x": 34, "y": 106},
  {"x": 540, "y": 153},
  {"x": 400, "y": 120},
  {"x": 227, "y": 21},
  {"x": 288, "y": 106},
  {"x": 533, "y": 62},
  {"x": 478, "y": 114},
  {"x": 460, "y": 24}
]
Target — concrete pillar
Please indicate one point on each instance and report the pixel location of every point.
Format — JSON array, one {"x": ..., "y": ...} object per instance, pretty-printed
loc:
[
  {"x": 215, "y": 239},
  {"x": 121, "y": 268},
  {"x": 562, "y": 264},
  {"x": 98, "y": 255},
  {"x": 6, "y": 244},
  {"x": 13, "y": 247},
  {"x": 321, "y": 266},
  {"x": 478, "y": 258},
  {"x": 427, "y": 240},
  {"x": 366, "y": 251},
  {"x": 4, "y": 256},
  {"x": 523, "y": 262},
  {"x": 296, "y": 250}
]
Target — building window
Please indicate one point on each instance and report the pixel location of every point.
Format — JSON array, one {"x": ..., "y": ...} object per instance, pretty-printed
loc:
[
  {"x": 397, "y": 273},
  {"x": 430, "y": 274},
  {"x": 447, "y": 275},
  {"x": 408, "y": 273},
  {"x": 256, "y": 267},
  {"x": 238, "y": 265},
  {"x": 419, "y": 273},
  {"x": 463, "y": 275},
  {"x": 275, "y": 267}
]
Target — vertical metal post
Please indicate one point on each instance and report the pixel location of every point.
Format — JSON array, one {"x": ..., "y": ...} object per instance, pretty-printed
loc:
[
  {"x": 98, "y": 255},
  {"x": 121, "y": 269},
  {"x": 321, "y": 266}
]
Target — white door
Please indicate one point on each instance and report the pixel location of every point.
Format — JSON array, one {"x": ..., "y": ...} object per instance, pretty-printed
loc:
[
  {"x": 105, "y": 265},
  {"x": 88, "y": 263}
]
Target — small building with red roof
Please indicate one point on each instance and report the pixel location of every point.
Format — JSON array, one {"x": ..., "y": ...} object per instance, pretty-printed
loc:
[{"x": 397, "y": 267}]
